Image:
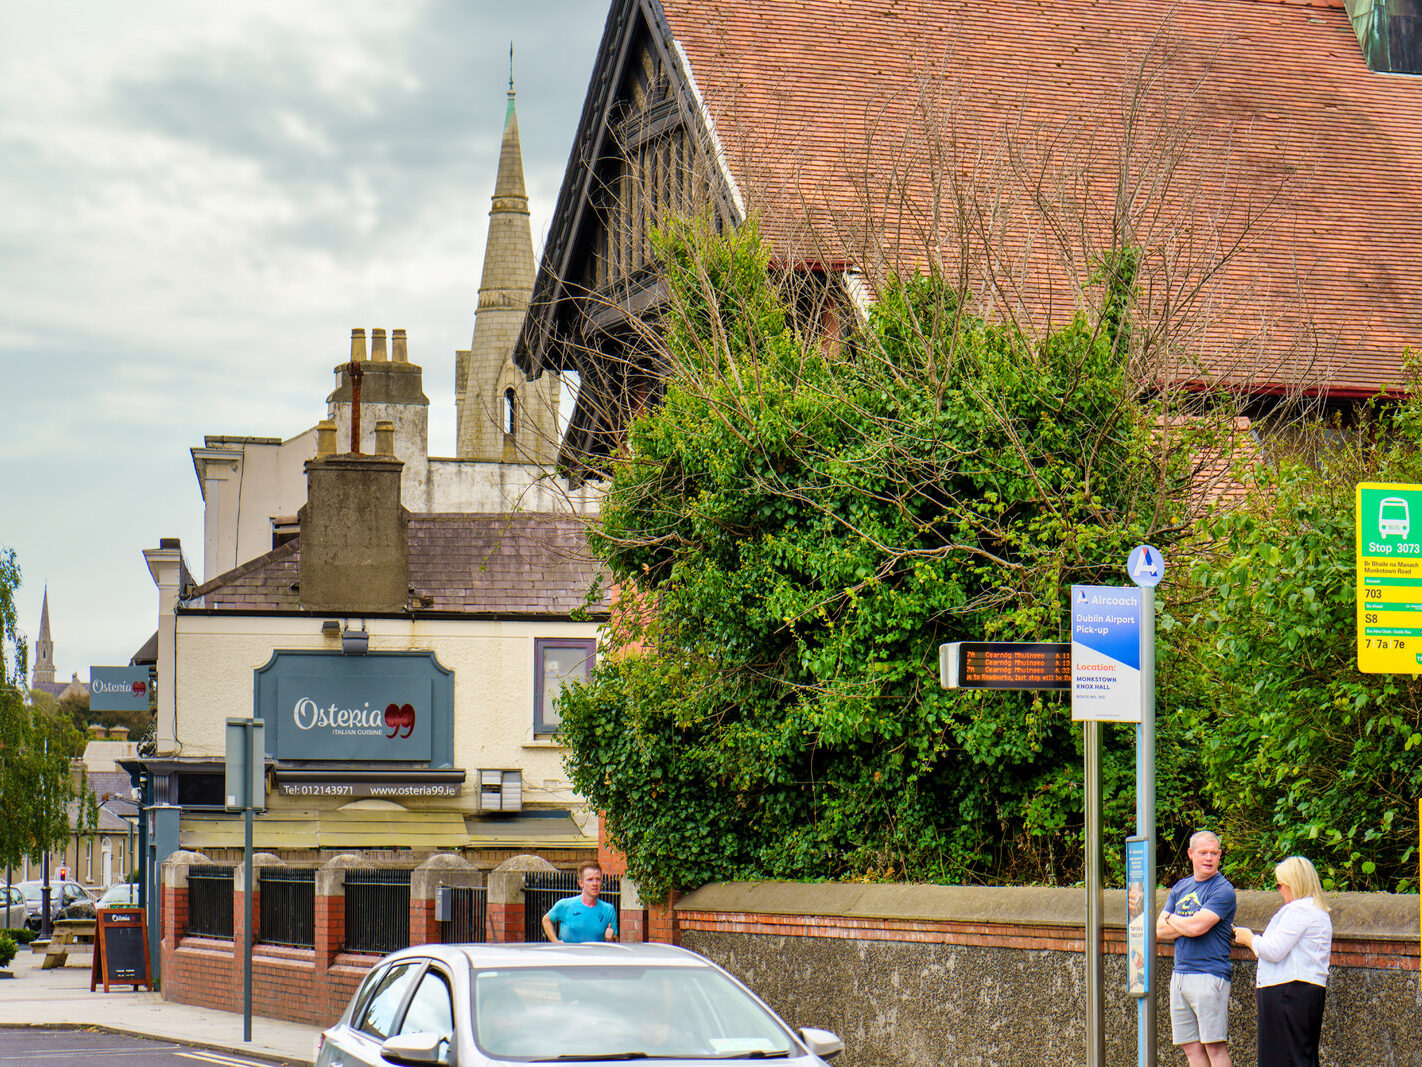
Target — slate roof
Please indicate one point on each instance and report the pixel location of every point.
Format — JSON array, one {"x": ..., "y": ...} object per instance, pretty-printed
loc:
[
  {"x": 510, "y": 564},
  {"x": 819, "y": 108}
]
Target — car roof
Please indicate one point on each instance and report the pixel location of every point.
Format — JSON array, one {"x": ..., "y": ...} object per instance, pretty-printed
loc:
[{"x": 597, "y": 954}]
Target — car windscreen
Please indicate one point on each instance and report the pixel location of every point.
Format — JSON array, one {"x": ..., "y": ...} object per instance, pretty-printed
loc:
[{"x": 571, "y": 1013}]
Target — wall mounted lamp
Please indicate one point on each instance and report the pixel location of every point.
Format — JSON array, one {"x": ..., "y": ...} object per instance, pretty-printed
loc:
[{"x": 354, "y": 642}]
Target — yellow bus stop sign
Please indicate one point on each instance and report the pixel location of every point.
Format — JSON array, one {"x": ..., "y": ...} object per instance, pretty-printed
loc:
[{"x": 1389, "y": 573}]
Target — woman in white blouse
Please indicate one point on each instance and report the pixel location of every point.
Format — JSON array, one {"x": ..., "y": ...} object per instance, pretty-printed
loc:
[{"x": 1293, "y": 956}]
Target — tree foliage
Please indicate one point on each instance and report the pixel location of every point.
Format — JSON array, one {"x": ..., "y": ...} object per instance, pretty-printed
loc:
[
  {"x": 36, "y": 788},
  {"x": 1303, "y": 753},
  {"x": 797, "y": 527}
]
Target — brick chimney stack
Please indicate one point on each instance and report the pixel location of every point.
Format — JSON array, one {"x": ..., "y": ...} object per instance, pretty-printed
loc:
[{"x": 355, "y": 556}]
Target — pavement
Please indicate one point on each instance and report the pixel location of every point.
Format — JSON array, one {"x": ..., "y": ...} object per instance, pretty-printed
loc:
[{"x": 61, "y": 997}]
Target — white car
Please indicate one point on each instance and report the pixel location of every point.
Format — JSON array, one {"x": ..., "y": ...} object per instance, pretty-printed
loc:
[
  {"x": 474, "y": 1005},
  {"x": 14, "y": 907},
  {"x": 119, "y": 895}
]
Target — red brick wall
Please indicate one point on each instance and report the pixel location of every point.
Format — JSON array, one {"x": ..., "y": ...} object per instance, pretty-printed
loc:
[
  {"x": 424, "y": 930},
  {"x": 309, "y": 986},
  {"x": 664, "y": 922},
  {"x": 504, "y": 922},
  {"x": 608, "y": 858}
]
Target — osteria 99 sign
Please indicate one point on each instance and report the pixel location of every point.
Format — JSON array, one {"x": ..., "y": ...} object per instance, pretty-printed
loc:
[{"x": 1389, "y": 574}]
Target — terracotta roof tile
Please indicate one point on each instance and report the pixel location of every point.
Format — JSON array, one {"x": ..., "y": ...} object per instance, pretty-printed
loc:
[{"x": 819, "y": 107}]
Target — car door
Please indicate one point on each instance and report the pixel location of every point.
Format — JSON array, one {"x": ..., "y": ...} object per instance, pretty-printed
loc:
[
  {"x": 14, "y": 909},
  {"x": 379, "y": 1006},
  {"x": 430, "y": 1010}
]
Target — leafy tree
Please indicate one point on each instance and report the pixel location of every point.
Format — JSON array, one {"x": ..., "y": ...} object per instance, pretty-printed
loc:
[
  {"x": 35, "y": 783},
  {"x": 796, "y": 528},
  {"x": 1303, "y": 753}
]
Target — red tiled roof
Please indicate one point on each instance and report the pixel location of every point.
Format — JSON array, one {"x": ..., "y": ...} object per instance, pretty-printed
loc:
[
  {"x": 520, "y": 564},
  {"x": 819, "y": 106}
]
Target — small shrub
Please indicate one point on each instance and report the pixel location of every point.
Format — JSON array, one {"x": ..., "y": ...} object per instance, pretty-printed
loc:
[
  {"x": 22, "y": 936},
  {"x": 8, "y": 949}
]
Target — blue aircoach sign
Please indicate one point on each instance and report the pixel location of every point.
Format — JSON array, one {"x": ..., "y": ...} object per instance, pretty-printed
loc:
[
  {"x": 1105, "y": 653},
  {"x": 378, "y": 707}
]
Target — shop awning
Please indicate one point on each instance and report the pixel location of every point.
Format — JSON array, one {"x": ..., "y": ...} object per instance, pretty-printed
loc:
[
  {"x": 379, "y": 824},
  {"x": 529, "y": 830},
  {"x": 294, "y": 828}
]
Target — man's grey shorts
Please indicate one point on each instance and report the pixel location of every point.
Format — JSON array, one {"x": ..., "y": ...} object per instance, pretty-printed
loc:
[{"x": 1199, "y": 1008}]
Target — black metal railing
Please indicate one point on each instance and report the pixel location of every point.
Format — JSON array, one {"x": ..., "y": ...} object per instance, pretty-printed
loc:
[
  {"x": 210, "y": 902},
  {"x": 470, "y": 909},
  {"x": 377, "y": 910},
  {"x": 288, "y": 907},
  {"x": 542, "y": 891}
]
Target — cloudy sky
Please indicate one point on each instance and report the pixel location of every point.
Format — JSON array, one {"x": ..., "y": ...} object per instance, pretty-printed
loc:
[{"x": 200, "y": 202}]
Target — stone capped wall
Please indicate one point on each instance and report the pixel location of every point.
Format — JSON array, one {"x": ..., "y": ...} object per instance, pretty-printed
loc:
[{"x": 934, "y": 976}]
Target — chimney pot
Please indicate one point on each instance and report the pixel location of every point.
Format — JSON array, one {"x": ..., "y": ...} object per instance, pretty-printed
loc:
[
  {"x": 399, "y": 352},
  {"x": 384, "y": 438},
  {"x": 170, "y": 542},
  {"x": 357, "y": 345},
  {"x": 377, "y": 345},
  {"x": 325, "y": 438}
]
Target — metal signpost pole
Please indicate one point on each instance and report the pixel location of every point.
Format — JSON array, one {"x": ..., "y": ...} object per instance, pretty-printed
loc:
[
  {"x": 1145, "y": 824},
  {"x": 246, "y": 790},
  {"x": 1095, "y": 986},
  {"x": 247, "y": 914},
  {"x": 1146, "y": 568},
  {"x": 1106, "y": 687}
]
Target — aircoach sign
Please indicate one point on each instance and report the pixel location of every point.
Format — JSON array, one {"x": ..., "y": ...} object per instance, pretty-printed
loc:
[{"x": 383, "y": 706}]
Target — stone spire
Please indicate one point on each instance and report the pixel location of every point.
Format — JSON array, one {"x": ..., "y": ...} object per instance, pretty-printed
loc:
[
  {"x": 44, "y": 649},
  {"x": 502, "y": 416}
]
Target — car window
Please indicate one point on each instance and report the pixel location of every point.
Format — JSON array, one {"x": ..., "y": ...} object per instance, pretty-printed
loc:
[
  {"x": 431, "y": 1009},
  {"x": 621, "y": 1012},
  {"x": 379, "y": 1015}
]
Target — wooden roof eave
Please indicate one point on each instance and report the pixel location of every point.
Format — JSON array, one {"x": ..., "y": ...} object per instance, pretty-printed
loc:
[{"x": 538, "y": 347}]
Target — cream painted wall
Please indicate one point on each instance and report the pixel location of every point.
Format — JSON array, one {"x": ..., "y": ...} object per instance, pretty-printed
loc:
[
  {"x": 492, "y": 661},
  {"x": 245, "y": 483}
]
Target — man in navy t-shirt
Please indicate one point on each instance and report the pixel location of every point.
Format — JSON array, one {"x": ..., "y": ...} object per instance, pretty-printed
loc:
[
  {"x": 1199, "y": 918},
  {"x": 584, "y": 917}
]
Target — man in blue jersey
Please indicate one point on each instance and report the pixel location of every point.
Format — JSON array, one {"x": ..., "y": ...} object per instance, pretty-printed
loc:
[
  {"x": 1199, "y": 918},
  {"x": 584, "y": 917}
]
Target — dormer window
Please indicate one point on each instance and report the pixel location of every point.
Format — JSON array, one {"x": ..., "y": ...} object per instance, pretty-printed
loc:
[{"x": 1390, "y": 34}]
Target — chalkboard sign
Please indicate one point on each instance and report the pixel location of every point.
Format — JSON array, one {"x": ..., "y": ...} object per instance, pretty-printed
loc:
[{"x": 121, "y": 949}]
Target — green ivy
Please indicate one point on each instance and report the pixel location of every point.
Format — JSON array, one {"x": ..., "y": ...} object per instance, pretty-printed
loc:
[
  {"x": 1303, "y": 753},
  {"x": 796, "y": 529}
]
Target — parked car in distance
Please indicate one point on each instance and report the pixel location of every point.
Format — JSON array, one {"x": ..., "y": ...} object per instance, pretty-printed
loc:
[
  {"x": 490, "y": 1004},
  {"x": 119, "y": 895},
  {"x": 61, "y": 896},
  {"x": 14, "y": 908}
]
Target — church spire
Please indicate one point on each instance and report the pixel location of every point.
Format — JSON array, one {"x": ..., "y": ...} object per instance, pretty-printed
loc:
[
  {"x": 44, "y": 649},
  {"x": 502, "y": 416}
]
